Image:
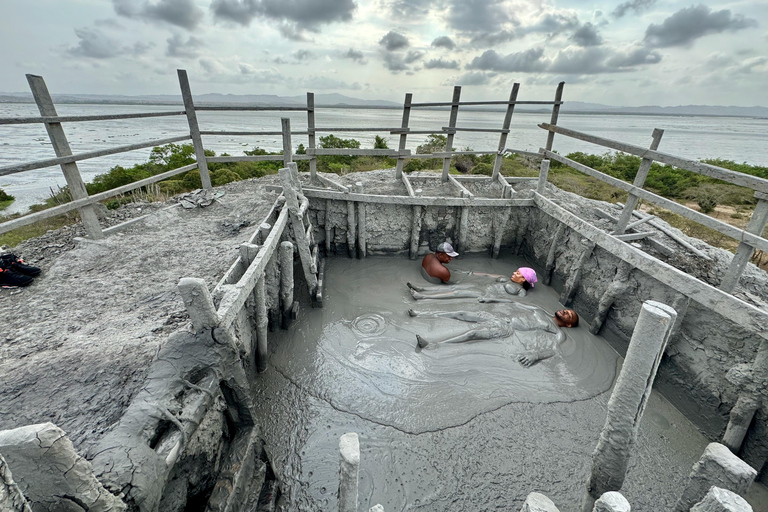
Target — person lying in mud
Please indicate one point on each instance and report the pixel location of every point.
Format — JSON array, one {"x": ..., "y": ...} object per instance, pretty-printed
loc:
[
  {"x": 546, "y": 331},
  {"x": 518, "y": 285},
  {"x": 433, "y": 268}
]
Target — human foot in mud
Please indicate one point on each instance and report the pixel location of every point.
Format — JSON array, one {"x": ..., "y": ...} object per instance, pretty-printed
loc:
[
  {"x": 412, "y": 313},
  {"x": 421, "y": 342},
  {"x": 414, "y": 287}
]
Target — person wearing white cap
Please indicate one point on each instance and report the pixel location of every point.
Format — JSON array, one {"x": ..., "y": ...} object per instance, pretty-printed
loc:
[{"x": 433, "y": 265}]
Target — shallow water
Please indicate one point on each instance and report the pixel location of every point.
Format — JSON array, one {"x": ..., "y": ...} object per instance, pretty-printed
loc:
[{"x": 461, "y": 427}]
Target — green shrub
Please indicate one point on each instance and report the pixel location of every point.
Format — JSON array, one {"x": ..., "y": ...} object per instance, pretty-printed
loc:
[
  {"x": 116, "y": 202},
  {"x": 483, "y": 168},
  {"x": 192, "y": 180},
  {"x": 224, "y": 176},
  {"x": 5, "y": 196},
  {"x": 434, "y": 143},
  {"x": 172, "y": 187},
  {"x": 380, "y": 143},
  {"x": 707, "y": 203}
]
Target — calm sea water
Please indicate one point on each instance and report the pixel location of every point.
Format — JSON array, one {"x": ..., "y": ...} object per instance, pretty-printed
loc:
[{"x": 738, "y": 139}]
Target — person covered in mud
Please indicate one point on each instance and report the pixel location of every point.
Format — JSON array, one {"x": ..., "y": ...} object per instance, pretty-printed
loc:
[
  {"x": 518, "y": 285},
  {"x": 546, "y": 332},
  {"x": 433, "y": 265}
]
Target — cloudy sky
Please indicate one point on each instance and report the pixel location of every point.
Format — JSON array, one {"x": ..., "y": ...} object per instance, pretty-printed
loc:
[{"x": 635, "y": 52}]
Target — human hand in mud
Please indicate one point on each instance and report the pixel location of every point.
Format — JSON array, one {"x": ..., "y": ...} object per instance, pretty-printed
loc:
[{"x": 527, "y": 359}]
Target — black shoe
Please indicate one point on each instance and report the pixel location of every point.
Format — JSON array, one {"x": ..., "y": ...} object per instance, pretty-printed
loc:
[
  {"x": 11, "y": 278},
  {"x": 22, "y": 268}
]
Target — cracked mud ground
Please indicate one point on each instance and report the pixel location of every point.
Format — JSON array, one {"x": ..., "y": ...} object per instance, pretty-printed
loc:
[{"x": 76, "y": 345}]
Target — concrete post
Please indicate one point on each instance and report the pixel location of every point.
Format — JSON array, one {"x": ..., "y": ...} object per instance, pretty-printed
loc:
[
  {"x": 612, "y": 501},
  {"x": 550, "y": 265},
  {"x": 199, "y": 303},
  {"x": 287, "y": 144},
  {"x": 349, "y": 467},
  {"x": 463, "y": 225},
  {"x": 504, "y": 132},
  {"x": 311, "y": 137},
  {"x": 627, "y": 403},
  {"x": 61, "y": 148},
  {"x": 351, "y": 230},
  {"x": 262, "y": 325},
  {"x": 415, "y": 228},
  {"x": 642, "y": 174},
  {"x": 543, "y": 174},
  {"x": 451, "y": 132},
  {"x": 718, "y": 467},
  {"x": 264, "y": 230},
  {"x": 194, "y": 128},
  {"x": 537, "y": 502},
  {"x": 722, "y": 500},
  {"x": 738, "y": 422},
  {"x": 361, "y": 227},
  {"x": 286, "y": 282},
  {"x": 755, "y": 226},
  {"x": 403, "y": 136}
]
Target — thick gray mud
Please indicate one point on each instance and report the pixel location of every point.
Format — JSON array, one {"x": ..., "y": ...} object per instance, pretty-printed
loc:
[
  {"x": 364, "y": 358},
  {"x": 460, "y": 428}
]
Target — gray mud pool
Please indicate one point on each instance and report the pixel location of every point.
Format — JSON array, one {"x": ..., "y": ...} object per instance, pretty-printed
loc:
[{"x": 459, "y": 427}]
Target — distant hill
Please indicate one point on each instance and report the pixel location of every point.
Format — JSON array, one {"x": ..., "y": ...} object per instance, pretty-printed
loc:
[{"x": 339, "y": 100}]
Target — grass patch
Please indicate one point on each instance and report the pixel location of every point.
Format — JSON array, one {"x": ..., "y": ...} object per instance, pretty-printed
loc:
[
  {"x": 18, "y": 235},
  {"x": 696, "y": 230}
]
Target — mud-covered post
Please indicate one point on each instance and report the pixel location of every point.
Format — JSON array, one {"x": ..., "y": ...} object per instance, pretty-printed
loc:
[
  {"x": 738, "y": 422},
  {"x": 61, "y": 148},
  {"x": 194, "y": 128},
  {"x": 716, "y": 467},
  {"x": 262, "y": 324},
  {"x": 361, "y": 227},
  {"x": 722, "y": 500},
  {"x": 349, "y": 468},
  {"x": 451, "y": 131},
  {"x": 287, "y": 144},
  {"x": 744, "y": 252},
  {"x": 403, "y": 135},
  {"x": 298, "y": 228},
  {"x": 199, "y": 303},
  {"x": 286, "y": 282},
  {"x": 618, "y": 287},
  {"x": 311, "y": 135},
  {"x": 550, "y": 265},
  {"x": 464, "y": 224},
  {"x": 543, "y": 174},
  {"x": 612, "y": 501},
  {"x": 501, "y": 219},
  {"x": 351, "y": 230},
  {"x": 11, "y": 497},
  {"x": 328, "y": 228},
  {"x": 415, "y": 227},
  {"x": 627, "y": 403},
  {"x": 574, "y": 275},
  {"x": 537, "y": 502}
]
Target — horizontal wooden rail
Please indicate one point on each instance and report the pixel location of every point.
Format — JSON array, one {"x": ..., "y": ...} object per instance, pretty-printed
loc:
[
  {"x": 470, "y": 103},
  {"x": 416, "y": 201},
  {"x": 254, "y": 109},
  {"x": 522, "y": 152},
  {"x": 69, "y": 119},
  {"x": 738, "y": 234},
  {"x": 29, "y": 166},
  {"x": 235, "y": 297},
  {"x": 73, "y": 205},
  {"x": 448, "y": 129},
  {"x": 713, "y": 171},
  {"x": 254, "y": 158},
  {"x": 358, "y": 152},
  {"x": 248, "y": 133},
  {"x": 746, "y": 315},
  {"x": 445, "y": 154},
  {"x": 376, "y": 129}
]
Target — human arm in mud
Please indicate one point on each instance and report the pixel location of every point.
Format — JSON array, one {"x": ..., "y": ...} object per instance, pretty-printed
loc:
[
  {"x": 544, "y": 350},
  {"x": 510, "y": 288}
]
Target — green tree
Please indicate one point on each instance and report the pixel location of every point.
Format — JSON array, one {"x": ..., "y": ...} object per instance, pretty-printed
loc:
[
  {"x": 434, "y": 143},
  {"x": 380, "y": 143},
  {"x": 333, "y": 142}
]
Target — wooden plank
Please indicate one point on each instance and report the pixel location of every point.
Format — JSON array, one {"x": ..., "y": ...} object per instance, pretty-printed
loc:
[
  {"x": 254, "y": 109},
  {"x": 446, "y": 154},
  {"x": 671, "y": 235},
  {"x": 408, "y": 186},
  {"x": 328, "y": 181},
  {"x": 285, "y": 122},
  {"x": 639, "y": 181},
  {"x": 628, "y": 237},
  {"x": 497, "y": 102},
  {"x": 505, "y": 130},
  {"x": 722, "y": 227},
  {"x": 738, "y": 311},
  {"x": 246, "y": 284},
  {"x": 744, "y": 252},
  {"x": 354, "y": 129},
  {"x": 420, "y": 201},
  {"x": 713, "y": 171},
  {"x": 358, "y": 152},
  {"x": 555, "y": 114},
  {"x": 462, "y": 188},
  {"x": 74, "y": 119},
  {"x": 522, "y": 152},
  {"x": 414, "y": 132},
  {"x": 639, "y": 222},
  {"x": 449, "y": 129},
  {"x": 451, "y": 124},
  {"x": 256, "y": 158},
  {"x": 194, "y": 129},
  {"x": 68, "y": 159},
  {"x": 248, "y": 133},
  {"x": 543, "y": 174},
  {"x": 403, "y": 134},
  {"x": 311, "y": 134}
]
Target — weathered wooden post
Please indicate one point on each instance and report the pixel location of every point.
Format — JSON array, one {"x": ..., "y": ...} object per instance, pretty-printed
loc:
[
  {"x": 555, "y": 114},
  {"x": 194, "y": 129},
  {"x": 351, "y": 230},
  {"x": 361, "y": 231},
  {"x": 311, "y": 135},
  {"x": 550, "y": 265},
  {"x": 619, "y": 286},
  {"x": 298, "y": 228},
  {"x": 262, "y": 325},
  {"x": 287, "y": 144},
  {"x": 543, "y": 174},
  {"x": 505, "y": 131},
  {"x": 627, "y": 403},
  {"x": 328, "y": 228},
  {"x": 61, "y": 147},
  {"x": 722, "y": 500},
  {"x": 639, "y": 181},
  {"x": 738, "y": 421},
  {"x": 403, "y": 135},
  {"x": 415, "y": 227},
  {"x": 501, "y": 218},
  {"x": 451, "y": 131},
  {"x": 349, "y": 468},
  {"x": 286, "y": 283},
  {"x": 574, "y": 275},
  {"x": 464, "y": 225},
  {"x": 716, "y": 467},
  {"x": 744, "y": 252},
  {"x": 199, "y": 303}
]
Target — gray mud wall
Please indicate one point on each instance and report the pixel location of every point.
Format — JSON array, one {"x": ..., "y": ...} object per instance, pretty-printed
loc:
[{"x": 694, "y": 371}]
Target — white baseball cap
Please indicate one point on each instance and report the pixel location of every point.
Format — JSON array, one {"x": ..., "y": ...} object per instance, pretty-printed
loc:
[{"x": 447, "y": 249}]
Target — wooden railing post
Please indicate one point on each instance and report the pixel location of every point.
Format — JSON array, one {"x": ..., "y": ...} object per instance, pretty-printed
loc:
[
  {"x": 194, "y": 129},
  {"x": 404, "y": 135},
  {"x": 505, "y": 131},
  {"x": 642, "y": 174},
  {"x": 744, "y": 251},
  {"x": 311, "y": 134},
  {"x": 451, "y": 130},
  {"x": 555, "y": 114},
  {"x": 61, "y": 147},
  {"x": 287, "y": 144},
  {"x": 543, "y": 174}
]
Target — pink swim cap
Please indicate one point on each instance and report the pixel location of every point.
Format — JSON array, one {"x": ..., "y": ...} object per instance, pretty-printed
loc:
[{"x": 529, "y": 274}]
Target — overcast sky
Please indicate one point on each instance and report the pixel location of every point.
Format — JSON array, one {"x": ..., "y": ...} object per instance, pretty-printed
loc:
[{"x": 637, "y": 52}]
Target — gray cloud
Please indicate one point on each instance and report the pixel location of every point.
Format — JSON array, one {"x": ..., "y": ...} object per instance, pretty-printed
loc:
[
  {"x": 473, "y": 78},
  {"x": 293, "y": 32},
  {"x": 636, "y": 56},
  {"x": 95, "y": 44},
  {"x": 526, "y": 61},
  {"x": 479, "y": 15},
  {"x": 280, "y": 60},
  {"x": 355, "y": 55},
  {"x": 579, "y": 61},
  {"x": 586, "y": 35},
  {"x": 489, "y": 39},
  {"x": 634, "y": 5},
  {"x": 394, "y": 41},
  {"x": 177, "y": 47},
  {"x": 444, "y": 42},
  {"x": 394, "y": 62},
  {"x": 441, "y": 64},
  {"x": 325, "y": 83},
  {"x": 553, "y": 22},
  {"x": 182, "y": 13},
  {"x": 412, "y": 56},
  {"x": 691, "y": 23},
  {"x": 305, "y": 14},
  {"x": 302, "y": 54},
  {"x": 409, "y": 8}
]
